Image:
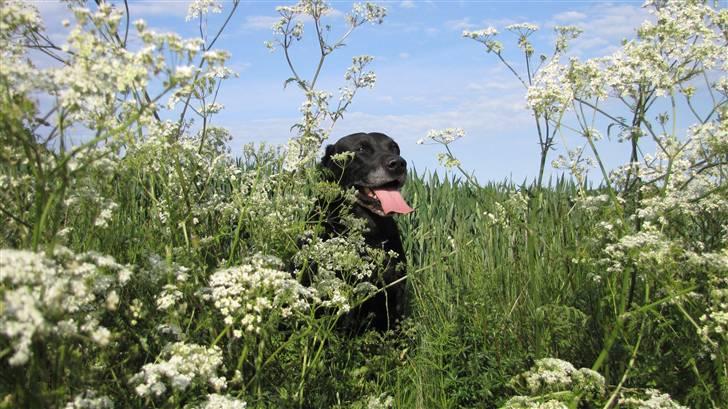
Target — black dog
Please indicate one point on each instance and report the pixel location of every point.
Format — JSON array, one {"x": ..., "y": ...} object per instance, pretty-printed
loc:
[{"x": 378, "y": 173}]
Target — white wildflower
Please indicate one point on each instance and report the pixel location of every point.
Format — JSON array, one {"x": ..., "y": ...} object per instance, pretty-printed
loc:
[
  {"x": 366, "y": 13},
  {"x": 199, "y": 8},
  {"x": 180, "y": 366},
  {"x": 654, "y": 399},
  {"x": 54, "y": 295},
  {"x": 246, "y": 294},
  {"x": 184, "y": 73},
  {"x": 102, "y": 220},
  {"x": 112, "y": 300},
  {"x": 168, "y": 297},
  {"x": 215, "y": 401},
  {"x": 551, "y": 91},
  {"x": 522, "y": 27},
  {"x": 445, "y": 136},
  {"x": 90, "y": 400}
]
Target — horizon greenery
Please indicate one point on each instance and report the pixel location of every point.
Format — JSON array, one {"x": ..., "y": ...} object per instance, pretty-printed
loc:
[{"x": 148, "y": 267}]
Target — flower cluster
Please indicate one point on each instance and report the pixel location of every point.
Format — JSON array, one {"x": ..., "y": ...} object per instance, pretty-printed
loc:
[
  {"x": 564, "y": 34},
  {"x": 652, "y": 399},
  {"x": 553, "y": 375},
  {"x": 551, "y": 91},
  {"x": 485, "y": 36},
  {"x": 66, "y": 294},
  {"x": 199, "y": 8},
  {"x": 217, "y": 401},
  {"x": 346, "y": 267},
  {"x": 179, "y": 367},
  {"x": 366, "y": 13},
  {"x": 524, "y": 30},
  {"x": 525, "y": 402},
  {"x": 251, "y": 296},
  {"x": 443, "y": 136},
  {"x": 356, "y": 74},
  {"x": 383, "y": 401},
  {"x": 511, "y": 210},
  {"x": 90, "y": 400},
  {"x": 714, "y": 322},
  {"x": 169, "y": 296}
]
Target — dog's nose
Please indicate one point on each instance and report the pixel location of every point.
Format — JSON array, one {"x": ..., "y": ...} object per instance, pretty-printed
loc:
[{"x": 397, "y": 164}]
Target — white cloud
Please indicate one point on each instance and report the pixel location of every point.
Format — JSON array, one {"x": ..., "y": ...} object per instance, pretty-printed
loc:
[
  {"x": 570, "y": 16},
  {"x": 260, "y": 22},
  {"x": 404, "y": 55},
  {"x": 501, "y": 23},
  {"x": 604, "y": 26},
  {"x": 157, "y": 8},
  {"x": 240, "y": 67},
  {"x": 407, "y": 4},
  {"x": 459, "y": 24}
]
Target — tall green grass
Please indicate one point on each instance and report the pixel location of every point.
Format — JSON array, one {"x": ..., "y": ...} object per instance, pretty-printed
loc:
[
  {"x": 499, "y": 276},
  {"x": 489, "y": 296}
]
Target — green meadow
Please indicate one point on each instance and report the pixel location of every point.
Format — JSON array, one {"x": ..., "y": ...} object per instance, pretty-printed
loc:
[{"x": 145, "y": 265}]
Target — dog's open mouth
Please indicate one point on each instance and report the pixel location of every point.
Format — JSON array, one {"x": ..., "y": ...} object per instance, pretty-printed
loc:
[{"x": 383, "y": 200}]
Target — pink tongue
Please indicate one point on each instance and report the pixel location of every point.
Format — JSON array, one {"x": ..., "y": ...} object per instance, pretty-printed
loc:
[{"x": 392, "y": 201}]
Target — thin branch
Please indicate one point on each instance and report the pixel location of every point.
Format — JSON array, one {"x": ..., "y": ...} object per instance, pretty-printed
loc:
[
  {"x": 202, "y": 62},
  {"x": 511, "y": 69},
  {"x": 126, "y": 28},
  {"x": 597, "y": 109}
]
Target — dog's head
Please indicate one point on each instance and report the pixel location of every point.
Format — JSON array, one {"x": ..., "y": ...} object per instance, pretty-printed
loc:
[{"x": 369, "y": 162}]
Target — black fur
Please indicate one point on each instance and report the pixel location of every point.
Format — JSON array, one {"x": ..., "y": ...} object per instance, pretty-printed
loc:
[{"x": 376, "y": 162}]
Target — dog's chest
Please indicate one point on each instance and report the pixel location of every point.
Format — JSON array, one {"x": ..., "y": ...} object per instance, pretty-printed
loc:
[{"x": 382, "y": 232}]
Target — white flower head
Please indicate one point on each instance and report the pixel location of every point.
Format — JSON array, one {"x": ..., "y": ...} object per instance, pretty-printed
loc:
[
  {"x": 445, "y": 136},
  {"x": 200, "y": 8}
]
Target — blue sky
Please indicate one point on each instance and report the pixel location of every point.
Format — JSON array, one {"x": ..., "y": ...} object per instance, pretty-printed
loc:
[{"x": 428, "y": 75}]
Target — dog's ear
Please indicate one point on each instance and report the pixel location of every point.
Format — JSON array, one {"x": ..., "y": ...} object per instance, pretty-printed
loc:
[
  {"x": 326, "y": 161},
  {"x": 327, "y": 164}
]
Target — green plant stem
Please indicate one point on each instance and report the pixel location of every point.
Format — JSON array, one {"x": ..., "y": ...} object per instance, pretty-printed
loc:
[
  {"x": 469, "y": 178},
  {"x": 630, "y": 365}
]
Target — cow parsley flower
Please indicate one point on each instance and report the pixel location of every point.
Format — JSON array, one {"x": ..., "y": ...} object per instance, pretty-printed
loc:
[
  {"x": 216, "y": 401},
  {"x": 653, "y": 399},
  {"x": 383, "y": 401},
  {"x": 184, "y": 73},
  {"x": 485, "y": 36},
  {"x": 366, "y": 13},
  {"x": 65, "y": 294},
  {"x": 445, "y": 136},
  {"x": 552, "y": 91},
  {"x": 447, "y": 161},
  {"x": 250, "y": 295},
  {"x": 168, "y": 297},
  {"x": 522, "y": 27},
  {"x": 90, "y": 400},
  {"x": 564, "y": 34},
  {"x": 526, "y": 402},
  {"x": 179, "y": 366},
  {"x": 102, "y": 220},
  {"x": 480, "y": 34},
  {"x": 201, "y": 7}
]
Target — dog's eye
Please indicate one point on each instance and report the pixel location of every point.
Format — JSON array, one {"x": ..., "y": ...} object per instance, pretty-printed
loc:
[{"x": 362, "y": 148}]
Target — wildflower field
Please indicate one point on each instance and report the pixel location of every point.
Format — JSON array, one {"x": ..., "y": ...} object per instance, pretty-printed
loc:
[{"x": 143, "y": 264}]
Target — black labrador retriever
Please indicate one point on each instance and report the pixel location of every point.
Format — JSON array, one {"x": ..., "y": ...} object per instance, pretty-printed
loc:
[{"x": 378, "y": 172}]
